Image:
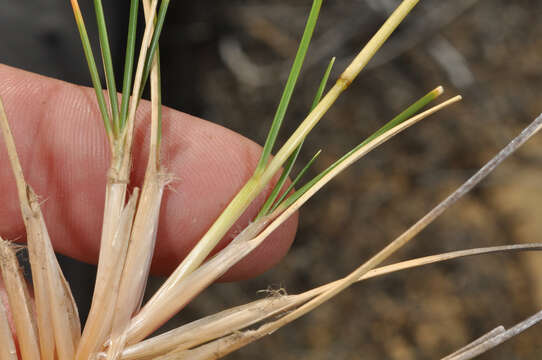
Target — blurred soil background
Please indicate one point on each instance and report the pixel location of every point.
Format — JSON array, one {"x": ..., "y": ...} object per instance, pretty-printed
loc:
[{"x": 226, "y": 61}]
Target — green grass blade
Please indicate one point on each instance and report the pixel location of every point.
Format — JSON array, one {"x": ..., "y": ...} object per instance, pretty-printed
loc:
[
  {"x": 403, "y": 116},
  {"x": 159, "y": 95},
  {"x": 296, "y": 180},
  {"x": 155, "y": 48},
  {"x": 129, "y": 62},
  {"x": 291, "y": 160},
  {"x": 276, "y": 189},
  {"x": 95, "y": 77},
  {"x": 323, "y": 84},
  {"x": 290, "y": 84},
  {"x": 108, "y": 64},
  {"x": 159, "y": 24}
]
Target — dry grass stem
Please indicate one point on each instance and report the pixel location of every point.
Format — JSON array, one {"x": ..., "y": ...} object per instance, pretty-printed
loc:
[
  {"x": 66, "y": 323},
  {"x": 49, "y": 290},
  {"x": 154, "y": 150},
  {"x": 212, "y": 327},
  {"x": 127, "y": 135},
  {"x": 497, "y": 331},
  {"x": 136, "y": 267},
  {"x": 498, "y": 339},
  {"x": 103, "y": 306}
]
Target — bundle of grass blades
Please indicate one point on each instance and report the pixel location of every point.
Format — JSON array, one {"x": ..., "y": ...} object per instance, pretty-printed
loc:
[{"x": 118, "y": 326}]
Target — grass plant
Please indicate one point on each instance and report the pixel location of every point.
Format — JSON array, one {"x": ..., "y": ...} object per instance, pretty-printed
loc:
[{"x": 119, "y": 326}]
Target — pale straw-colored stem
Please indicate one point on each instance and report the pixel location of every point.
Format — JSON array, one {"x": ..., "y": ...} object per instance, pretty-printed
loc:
[
  {"x": 54, "y": 302},
  {"x": 154, "y": 149},
  {"x": 13, "y": 158},
  {"x": 110, "y": 258},
  {"x": 69, "y": 308},
  {"x": 427, "y": 260},
  {"x": 138, "y": 261},
  {"x": 63, "y": 310},
  {"x": 112, "y": 253},
  {"x": 127, "y": 135},
  {"x": 96, "y": 332},
  {"x": 210, "y": 327},
  {"x": 231, "y": 320},
  {"x": 39, "y": 266},
  {"x": 36, "y": 247}
]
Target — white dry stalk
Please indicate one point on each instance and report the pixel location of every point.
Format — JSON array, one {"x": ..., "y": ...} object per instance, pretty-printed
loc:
[
  {"x": 121, "y": 237},
  {"x": 39, "y": 265},
  {"x": 135, "y": 270},
  {"x": 66, "y": 323},
  {"x": 35, "y": 248},
  {"x": 103, "y": 300},
  {"x": 127, "y": 135},
  {"x": 54, "y": 302}
]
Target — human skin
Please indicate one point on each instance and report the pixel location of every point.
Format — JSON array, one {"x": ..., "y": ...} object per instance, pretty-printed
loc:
[{"x": 64, "y": 153}]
